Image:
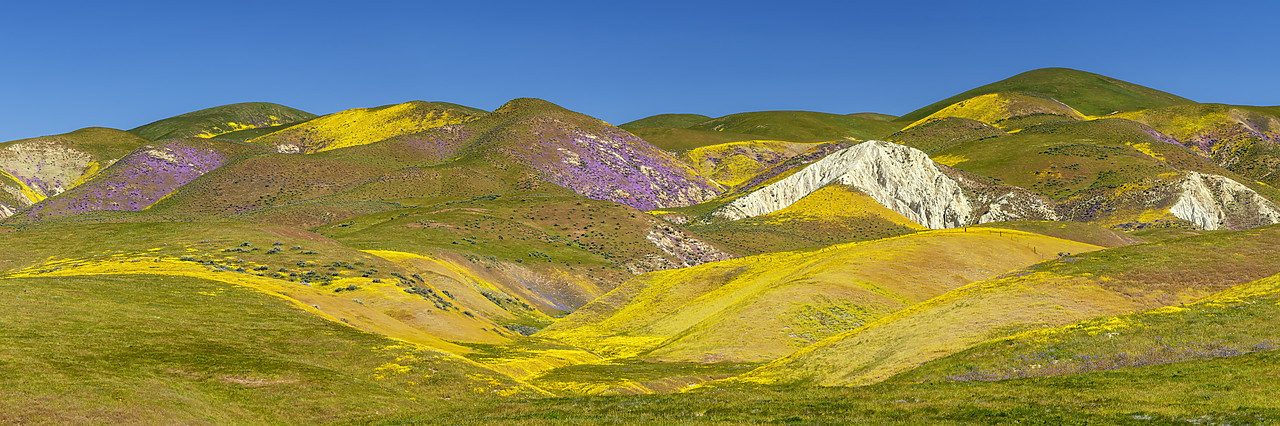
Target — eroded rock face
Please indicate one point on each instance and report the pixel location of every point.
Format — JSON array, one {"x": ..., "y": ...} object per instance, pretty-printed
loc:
[
  {"x": 1216, "y": 202},
  {"x": 901, "y": 178}
]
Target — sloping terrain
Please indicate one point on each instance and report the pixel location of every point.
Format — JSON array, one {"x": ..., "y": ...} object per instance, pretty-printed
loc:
[
  {"x": 1052, "y": 294},
  {"x": 220, "y": 120},
  {"x": 141, "y": 178},
  {"x": 761, "y": 307},
  {"x": 679, "y": 121},
  {"x": 1245, "y": 140},
  {"x": 800, "y": 126},
  {"x": 933, "y": 135},
  {"x": 1238, "y": 321},
  {"x": 833, "y": 214},
  {"x": 734, "y": 163},
  {"x": 165, "y": 349},
  {"x": 362, "y": 126},
  {"x": 1089, "y": 93},
  {"x": 1114, "y": 172},
  {"x": 1007, "y": 110},
  {"x": 38, "y": 168}
]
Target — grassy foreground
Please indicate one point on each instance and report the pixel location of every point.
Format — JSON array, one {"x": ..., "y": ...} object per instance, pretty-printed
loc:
[{"x": 1227, "y": 390}]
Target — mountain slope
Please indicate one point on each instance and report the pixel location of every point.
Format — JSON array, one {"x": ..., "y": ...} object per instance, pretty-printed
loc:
[
  {"x": 1007, "y": 110},
  {"x": 1089, "y": 93},
  {"x": 362, "y": 126},
  {"x": 1050, "y": 294},
  {"x": 219, "y": 120},
  {"x": 1245, "y": 140},
  {"x": 38, "y": 168},
  {"x": 1114, "y": 172},
  {"x": 1237, "y": 321},
  {"x": 760, "y": 307},
  {"x": 800, "y": 126},
  {"x": 141, "y": 178},
  {"x": 679, "y": 121}
]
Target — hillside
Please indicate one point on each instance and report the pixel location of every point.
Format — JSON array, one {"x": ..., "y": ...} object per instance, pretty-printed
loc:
[
  {"x": 34, "y": 169},
  {"x": 1058, "y": 293},
  {"x": 1115, "y": 172},
  {"x": 1007, "y": 110},
  {"x": 678, "y": 121},
  {"x": 801, "y": 126},
  {"x": 760, "y": 307},
  {"x": 362, "y": 126},
  {"x": 220, "y": 120},
  {"x": 1089, "y": 93},
  {"x": 1238, "y": 321},
  {"x": 1245, "y": 140}
]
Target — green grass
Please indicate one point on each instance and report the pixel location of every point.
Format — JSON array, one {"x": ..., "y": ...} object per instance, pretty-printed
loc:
[
  {"x": 1238, "y": 321},
  {"x": 676, "y": 139},
  {"x": 1051, "y": 294},
  {"x": 151, "y": 349},
  {"x": 1087, "y": 92},
  {"x": 678, "y": 121},
  {"x": 1074, "y": 231},
  {"x": 1227, "y": 390},
  {"x": 222, "y": 120},
  {"x": 801, "y": 126},
  {"x": 1239, "y": 138},
  {"x": 943, "y": 133}
]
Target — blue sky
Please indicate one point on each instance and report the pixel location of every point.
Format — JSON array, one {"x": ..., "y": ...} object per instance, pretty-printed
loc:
[{"x": 66, "y": 65}]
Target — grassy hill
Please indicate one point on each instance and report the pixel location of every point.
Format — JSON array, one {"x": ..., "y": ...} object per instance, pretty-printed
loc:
[
  {"x": 938, "y": 134},
  {"x": 141, "y": 178},
  {"x": 835, "y": 214},
  {"x": 160, "y": 349},
  {"x": 1111, "y": 171},
  {"x": 800, "y": 126},
  {"x": 1007, "y": 110},
  {"x": 1089, "y": 93},
  {"x": 362, "y": 126},
  {"x": 678, "y": 121},
  {"x": 220, "y": 120},
  {"x": 38, "y": 168},
  {"x": 731, "y": 164},
  {"x": 1243, "y": 139},
  {"x": 1238, "y": 321},
  {"x": 1052, "y": 294},
  {"x": 760, "y": 307}
]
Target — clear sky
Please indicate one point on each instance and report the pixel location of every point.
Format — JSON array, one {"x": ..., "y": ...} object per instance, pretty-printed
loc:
[{"x": 65, "y": 65}]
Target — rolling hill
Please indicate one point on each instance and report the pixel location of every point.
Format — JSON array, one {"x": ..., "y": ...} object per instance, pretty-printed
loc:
[
  {"x": 1089, "y": 93},
  {"x": 1052, "y": 294},
  {"x": 761, "y": 307},
  {"x": 32, "y": 170},
  {"x": 221, "y": 120},
  {"x": 1056, "y": 247}
]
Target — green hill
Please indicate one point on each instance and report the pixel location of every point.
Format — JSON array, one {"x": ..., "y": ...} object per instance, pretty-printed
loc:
[
  {"x": 801, "y": 126},
  {"x": 1051, "y": 294},
  {"x": 941, "y": 133},
  {"x": 34, "y": 169},
  {"x": 1243, "y": 139},
  {"x": 1237, "y": 321},
  {"x": 678, "y": 121},
  {"x": 219, "y": 120},
  {"x": 362, "y": 126},
  {"x": 1089, "y": 93},
  {"x": 1010, "y": 111},
  {"x": 760, "y": 307}
]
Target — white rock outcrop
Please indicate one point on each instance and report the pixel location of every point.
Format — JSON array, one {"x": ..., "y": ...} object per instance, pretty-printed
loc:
[
  {"x": 901, "y": 178},
  {"x": 1216, "y": 202}
]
